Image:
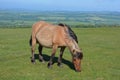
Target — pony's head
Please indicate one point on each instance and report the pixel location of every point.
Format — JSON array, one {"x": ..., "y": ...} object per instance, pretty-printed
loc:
[{"x": 77, "y": 57}]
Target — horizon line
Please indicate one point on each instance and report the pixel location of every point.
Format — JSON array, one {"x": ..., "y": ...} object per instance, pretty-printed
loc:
[{"x": 22, "y": 9}]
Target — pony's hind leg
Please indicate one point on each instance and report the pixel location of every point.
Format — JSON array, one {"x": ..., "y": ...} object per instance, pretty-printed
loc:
[
  {"x": 40, "y": 53},
  {"x": 60, "y": 56},
  {"x": 33, "y": 51},
  {"x": 33, "y": 56}
]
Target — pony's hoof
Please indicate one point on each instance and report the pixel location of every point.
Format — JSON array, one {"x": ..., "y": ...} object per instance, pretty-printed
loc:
[
  {"x": 33, "y": 61},
  {"x": 60, "y": 65},
  {"x": 49, "y": 66},
  {"x": 43, "y": 61}
]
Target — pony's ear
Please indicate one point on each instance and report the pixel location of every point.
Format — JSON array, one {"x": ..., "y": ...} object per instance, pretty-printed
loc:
[{"x": 61, "y": 24}]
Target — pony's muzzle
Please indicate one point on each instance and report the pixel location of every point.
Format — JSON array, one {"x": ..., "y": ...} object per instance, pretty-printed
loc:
[
  {"x": 77, "y": 64},
  {"x": 78, "y": 70}
]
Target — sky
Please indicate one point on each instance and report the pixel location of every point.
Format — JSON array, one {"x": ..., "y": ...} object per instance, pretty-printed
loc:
[{"x": 62, "y": 5}]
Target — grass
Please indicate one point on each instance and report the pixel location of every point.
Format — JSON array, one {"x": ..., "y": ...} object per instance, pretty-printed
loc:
[{"x": 101, "y": 47}]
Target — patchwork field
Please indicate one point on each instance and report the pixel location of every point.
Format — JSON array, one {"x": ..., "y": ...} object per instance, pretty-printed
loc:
[
  {"x": 101, "y": 47},
  {"x": 25, "y": 18}
]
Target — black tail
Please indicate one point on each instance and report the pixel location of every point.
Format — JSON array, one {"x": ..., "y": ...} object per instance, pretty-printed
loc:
[
  {"x": 71, "y": 32},
  {"x": 30, "y": 41}
]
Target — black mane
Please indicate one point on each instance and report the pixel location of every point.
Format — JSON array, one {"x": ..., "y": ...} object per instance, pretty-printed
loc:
[{"x": 71, "y": 32}]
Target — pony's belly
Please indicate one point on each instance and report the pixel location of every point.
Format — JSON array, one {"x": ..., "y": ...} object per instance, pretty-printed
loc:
[
  {"x": 44, "y": 40},
  {"x": 46, "y": 43}
]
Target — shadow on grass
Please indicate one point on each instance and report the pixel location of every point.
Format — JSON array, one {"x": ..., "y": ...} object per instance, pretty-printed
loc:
[{"x": 47, "y": 58}]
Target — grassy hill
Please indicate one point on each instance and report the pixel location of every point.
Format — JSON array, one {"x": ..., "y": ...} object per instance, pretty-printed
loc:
[{"x": 101, "y": 47}]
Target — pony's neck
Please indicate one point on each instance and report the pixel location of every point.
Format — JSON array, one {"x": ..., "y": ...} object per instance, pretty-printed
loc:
[{"x": 72, "y": 45}]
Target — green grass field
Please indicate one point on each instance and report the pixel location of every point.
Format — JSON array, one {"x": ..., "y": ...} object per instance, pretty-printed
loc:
[{"x": 101, "y": 47}]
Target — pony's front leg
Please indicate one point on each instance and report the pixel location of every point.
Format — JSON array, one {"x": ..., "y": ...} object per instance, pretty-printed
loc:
[
  {"x": 60, "y": 56},
  {"x": 52, "y": 56}
]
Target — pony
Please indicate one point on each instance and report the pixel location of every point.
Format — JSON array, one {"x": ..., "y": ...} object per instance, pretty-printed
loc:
[{"x": 55, "y": 36}]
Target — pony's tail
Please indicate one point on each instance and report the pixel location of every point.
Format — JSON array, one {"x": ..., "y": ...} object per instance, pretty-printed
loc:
[{"x": 30, "y": 41}]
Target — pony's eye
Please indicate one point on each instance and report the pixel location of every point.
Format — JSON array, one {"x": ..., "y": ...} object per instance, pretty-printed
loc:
[{"x": 73, "y": 50}]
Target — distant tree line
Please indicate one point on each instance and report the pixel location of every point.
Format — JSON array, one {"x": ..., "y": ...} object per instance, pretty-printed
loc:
[
  {"x": 73, "y": 26},
  {"x": 94, "y": 26}
]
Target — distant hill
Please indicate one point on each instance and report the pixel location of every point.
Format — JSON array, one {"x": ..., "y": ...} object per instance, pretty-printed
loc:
[{"x": 23, "y": 18}]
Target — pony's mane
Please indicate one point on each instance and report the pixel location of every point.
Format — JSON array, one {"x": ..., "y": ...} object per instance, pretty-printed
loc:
[{"x": 70, "y": 31}]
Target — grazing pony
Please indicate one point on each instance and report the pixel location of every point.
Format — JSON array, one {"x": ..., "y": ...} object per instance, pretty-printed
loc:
[{"x": 55, "y": 36}]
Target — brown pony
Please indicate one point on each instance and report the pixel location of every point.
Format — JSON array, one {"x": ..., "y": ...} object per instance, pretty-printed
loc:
[{"x": 55, "y": 36}]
